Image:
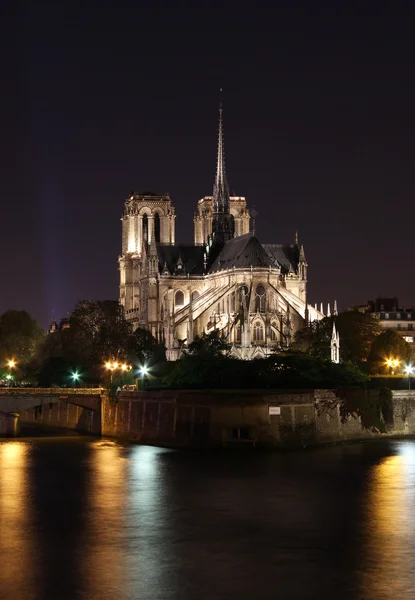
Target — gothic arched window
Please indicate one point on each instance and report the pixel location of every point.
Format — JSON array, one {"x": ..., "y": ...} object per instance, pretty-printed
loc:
[
  {"x": 195, "y": 295},
  {"x": 232, "y": 303},
  {"x": 179, "y": 298},
  {"x": 273, "y": 334},
  {"x": 238, "y": 333},
  {"x": 145, "y": 230},
  {"x": 157, "y": 227},
  {"x": 258, "y": 332},
  {"x": 260, "y": 298}
]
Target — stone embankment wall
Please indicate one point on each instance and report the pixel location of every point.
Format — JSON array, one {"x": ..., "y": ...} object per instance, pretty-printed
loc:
[{"x": 221, "y": 418}]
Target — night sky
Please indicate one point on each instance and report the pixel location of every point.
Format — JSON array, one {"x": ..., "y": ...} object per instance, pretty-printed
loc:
[{"x": 99, "y": 99}]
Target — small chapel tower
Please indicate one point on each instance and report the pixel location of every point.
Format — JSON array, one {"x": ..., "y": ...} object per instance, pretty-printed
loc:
[{"x": 335, "y": 345}]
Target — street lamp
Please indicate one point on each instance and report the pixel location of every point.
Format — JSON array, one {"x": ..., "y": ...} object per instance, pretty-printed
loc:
[
  {"x": 113, "y": 365},
  {"x": 143, "y": 372},
  {"x": 392, "y": 363},
  {"x": 11, "y": 363},
  {"x": 409, "y": 369},
  {"x": 75, "y": 376}
]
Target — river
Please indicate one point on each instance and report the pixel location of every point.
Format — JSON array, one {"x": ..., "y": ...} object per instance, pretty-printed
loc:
[{"x": 91, "y": 519}]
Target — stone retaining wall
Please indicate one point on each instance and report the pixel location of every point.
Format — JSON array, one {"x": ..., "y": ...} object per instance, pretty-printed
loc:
[{"x": 220, "y": 418}]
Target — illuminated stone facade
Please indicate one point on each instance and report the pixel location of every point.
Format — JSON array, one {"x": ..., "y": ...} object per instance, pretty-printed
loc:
[{"x": 255, "y": 294}]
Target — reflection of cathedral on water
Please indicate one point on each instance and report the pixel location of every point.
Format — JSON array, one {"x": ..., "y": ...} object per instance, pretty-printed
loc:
[{"x": 254, "y": 293}]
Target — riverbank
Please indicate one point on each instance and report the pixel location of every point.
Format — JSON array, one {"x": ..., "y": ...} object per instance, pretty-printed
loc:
[{"x": 269, "y": 419}]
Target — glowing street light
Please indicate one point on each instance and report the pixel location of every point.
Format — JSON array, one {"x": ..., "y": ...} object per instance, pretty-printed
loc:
[
  {"x": 11, "y": 363},
  {"x": 75, "y": 376},
  {"x": 113, "y": 365},
  {"x": 392, "y": 363},
  {"x": 409, "y": 369}
]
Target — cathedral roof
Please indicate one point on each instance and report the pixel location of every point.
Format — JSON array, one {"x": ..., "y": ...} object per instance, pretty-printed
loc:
[
  {"x": 187, "y": 259},
  {"x": 244, "y": 251},
  {"x": 285, "y": 256}
]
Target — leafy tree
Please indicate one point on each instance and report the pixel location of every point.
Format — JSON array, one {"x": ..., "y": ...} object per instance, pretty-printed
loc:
[
  {"x": 388, "y": 345},
  {"x": 20, "y": 336},
  {"x": 204, "y": 364},
  {"x": 212, "y": 344},
  {"x": 357, "y": 332},
  {"x": 98, "y": 331},
  {"x": 143, "y": 348}
]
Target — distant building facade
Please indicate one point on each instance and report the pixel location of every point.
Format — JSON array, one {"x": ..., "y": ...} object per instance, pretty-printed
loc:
[
  {"x": 391, "y": 316},
  {"x": 254, "y": 293}
]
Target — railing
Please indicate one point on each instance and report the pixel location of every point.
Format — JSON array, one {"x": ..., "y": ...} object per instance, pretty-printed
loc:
[{"x": 16, "y": 391}]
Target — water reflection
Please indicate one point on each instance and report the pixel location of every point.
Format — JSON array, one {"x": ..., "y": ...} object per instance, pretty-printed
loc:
[
  {"x": 388, "y": 569},
  {"x": 17, "y": 552},
  {"x": 103, "y": 564},
  {"x": 151, "y": 569}
]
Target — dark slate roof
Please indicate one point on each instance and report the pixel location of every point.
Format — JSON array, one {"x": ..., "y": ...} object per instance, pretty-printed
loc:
[
  {"x": 190, "y": 256},
  {"x": 283, "y": 255},
  {"x": 244, "y": 251}
]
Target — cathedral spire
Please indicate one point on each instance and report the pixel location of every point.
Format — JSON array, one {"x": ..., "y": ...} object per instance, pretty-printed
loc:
[
  {"x": 223, "y": 225},
  {"x": 220, "y": 188}
]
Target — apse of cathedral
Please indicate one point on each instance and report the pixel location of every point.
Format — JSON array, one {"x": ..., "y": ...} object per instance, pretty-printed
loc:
[{"x": 255, "y": 294}]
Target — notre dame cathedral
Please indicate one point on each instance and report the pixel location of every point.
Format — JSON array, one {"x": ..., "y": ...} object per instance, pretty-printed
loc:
[{"x": 254, "y": 293}]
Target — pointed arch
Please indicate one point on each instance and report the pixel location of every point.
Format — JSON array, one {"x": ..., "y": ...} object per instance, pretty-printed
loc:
[
  {"x": 145, "y": 230},
  {"x": 157, "y": 227},
  {"x": 179, "y": 298},
  {"x": 258, "y": 332},
  {"x": 260, "y": 298}
]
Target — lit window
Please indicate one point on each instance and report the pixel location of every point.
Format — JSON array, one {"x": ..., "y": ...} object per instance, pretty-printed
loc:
[
  {"x": 386, "y": 315},
  {"x": 409, "y": 316},
  {"x": 398, "y": 315},
  {"x": 409, "y": 339}
]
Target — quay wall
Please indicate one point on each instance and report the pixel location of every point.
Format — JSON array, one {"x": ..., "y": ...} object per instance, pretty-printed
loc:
[
  {"x": 213, "y": 418},
  {"x": 235, "y": 418}
]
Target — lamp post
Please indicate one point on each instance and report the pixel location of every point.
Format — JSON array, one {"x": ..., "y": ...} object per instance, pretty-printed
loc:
[
  {"x": 113, "y": 366},
  {"x": 392, "y": 363},
  {"x": 409, "y": 369},
  {"x": 143, "y": 372},
  {"x": 75, "y": 376},
  {"x": 11, "y": 363}
]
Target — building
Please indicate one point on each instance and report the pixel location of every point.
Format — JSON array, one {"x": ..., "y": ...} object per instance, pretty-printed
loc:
[
  {"x": 390, "y": 316},
  {"x": 402, "y": 321},
  {"x": 254, "y": 293}
]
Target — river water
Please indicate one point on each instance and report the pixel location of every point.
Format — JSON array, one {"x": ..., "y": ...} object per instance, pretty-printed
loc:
[{"x": 91, "y": 519}]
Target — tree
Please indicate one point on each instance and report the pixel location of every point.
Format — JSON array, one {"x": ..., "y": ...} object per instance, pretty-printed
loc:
[
  {"x": 204, "y": 364},
  {"x": 212, "y": 344},
  {"x": 143, "y": 348},
  {"x": 20, "y": 336},
  {"x": 357, "y": 332},
  {"x": 388, "y": 345},
  {"x": 98, "y": 332}
]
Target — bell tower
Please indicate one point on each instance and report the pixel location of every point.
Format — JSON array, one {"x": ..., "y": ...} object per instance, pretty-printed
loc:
[{"x": 145, "y": 215}]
